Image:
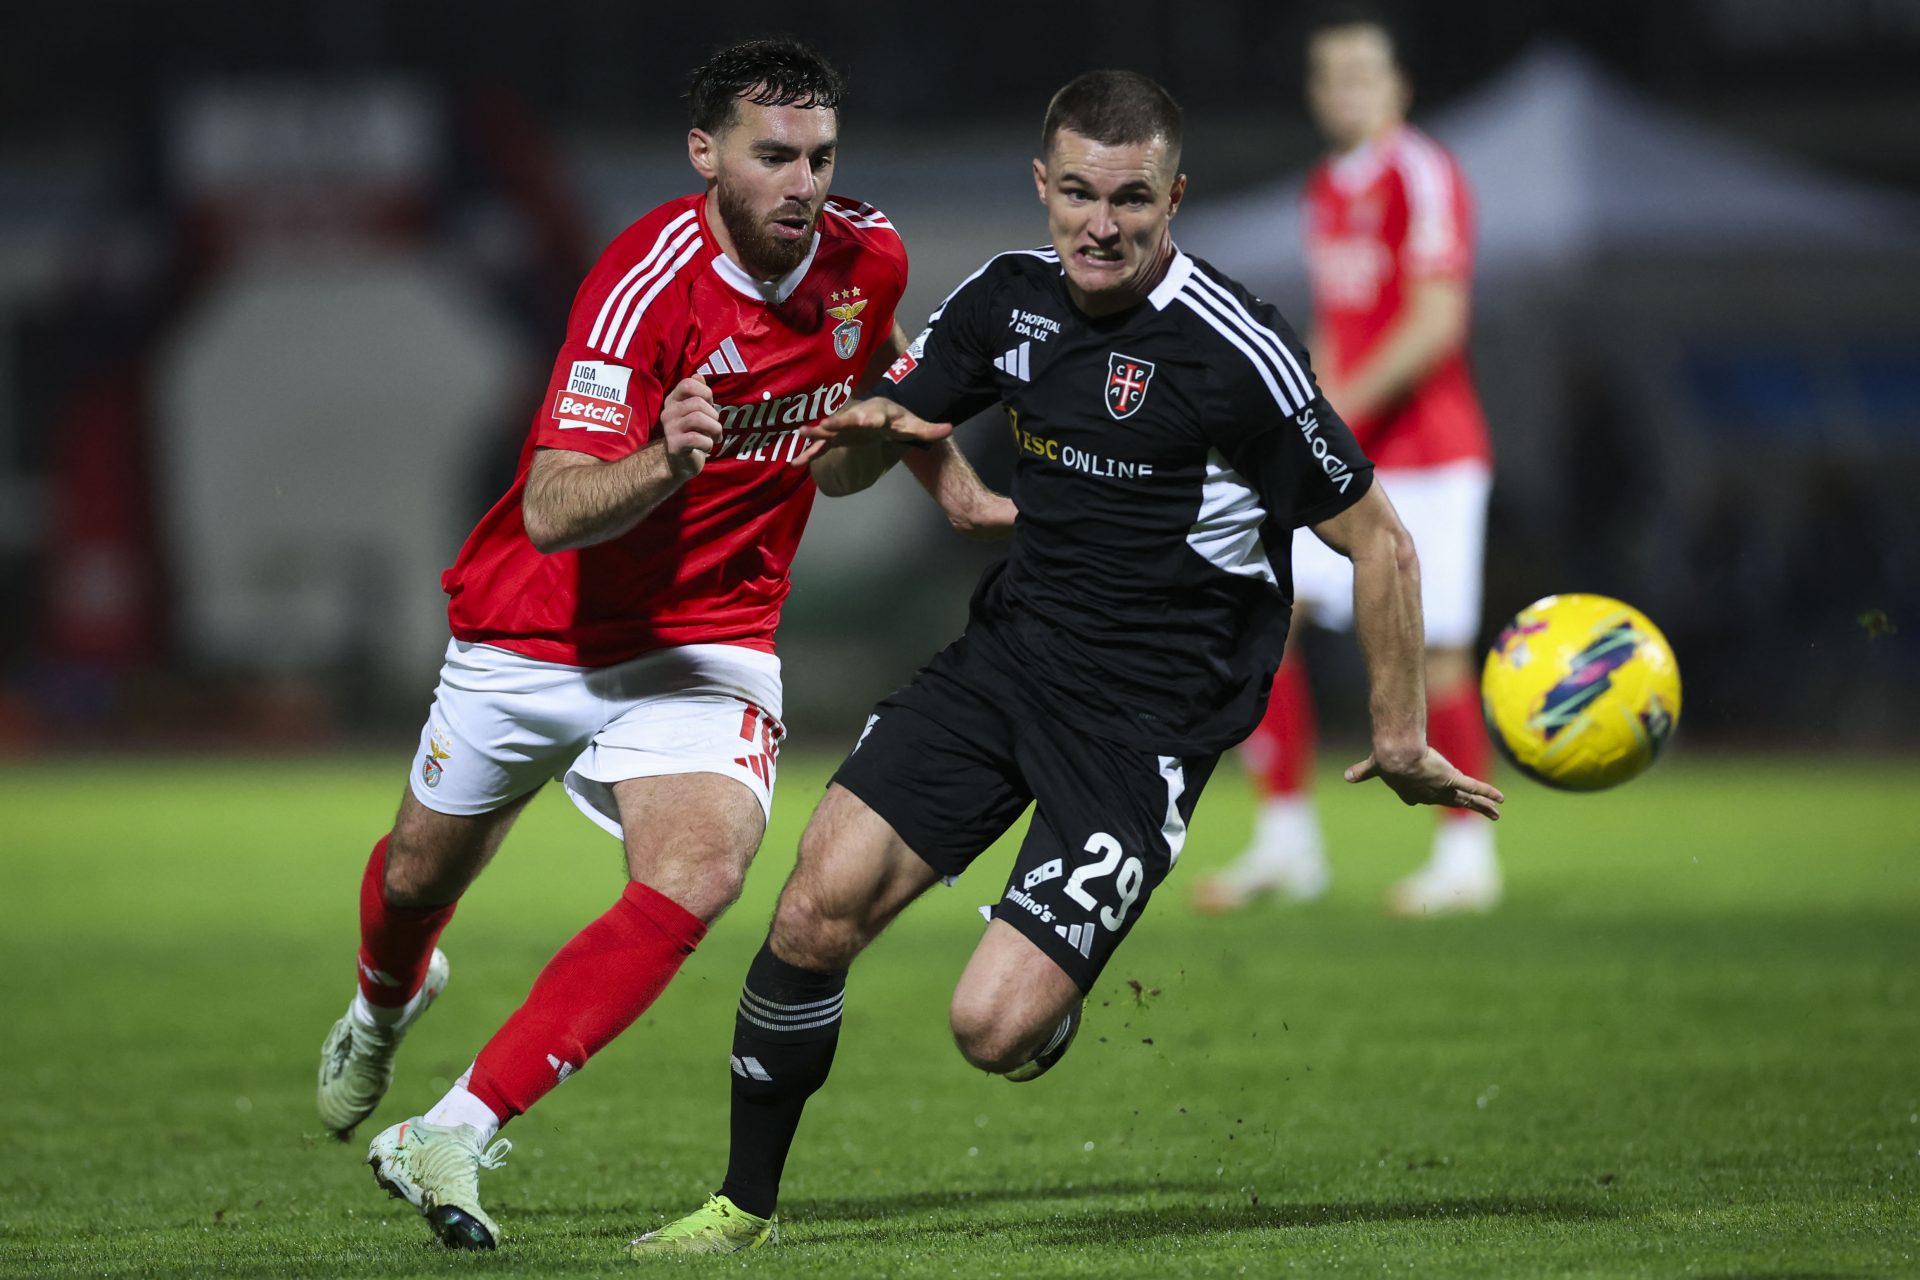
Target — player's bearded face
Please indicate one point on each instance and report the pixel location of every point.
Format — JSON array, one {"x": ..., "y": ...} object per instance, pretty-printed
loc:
[
  {"x": 771, "y": 171},
  {"x": 1110, "y": 209}
]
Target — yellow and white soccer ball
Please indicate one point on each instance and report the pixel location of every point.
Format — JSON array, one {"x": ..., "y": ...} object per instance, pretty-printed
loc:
[{"x": 1581, "y": 691}]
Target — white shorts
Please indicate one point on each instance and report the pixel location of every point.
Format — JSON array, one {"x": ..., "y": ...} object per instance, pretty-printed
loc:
[
  {"x": 503, "y": 724},
  {"x": 1445, "y": 509}
]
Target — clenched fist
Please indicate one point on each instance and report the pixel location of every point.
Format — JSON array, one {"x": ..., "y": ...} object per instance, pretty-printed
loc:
[{"x": 691, "y": 426}]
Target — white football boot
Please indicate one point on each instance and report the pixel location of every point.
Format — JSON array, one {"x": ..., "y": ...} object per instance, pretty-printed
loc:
[
  {"x": 436, "y": 1169},
  {"x": 356, "y": 1061},
  {"x": 1462, "y": 876},
  {"x": 1286, "y": 860}
]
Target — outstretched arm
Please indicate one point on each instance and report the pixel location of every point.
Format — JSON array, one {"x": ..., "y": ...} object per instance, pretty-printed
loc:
[
  {"x": 971, "y": 507},
  {"x": 1386, "y": 613},
  {"x": 855, "y": 446},
  {"x": 574, "y": 500}
]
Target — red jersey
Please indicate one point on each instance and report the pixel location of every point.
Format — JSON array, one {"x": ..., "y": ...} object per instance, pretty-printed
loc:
[
  {"x": 1378, "y": 218},
  {"x": 708, "y": 565}
]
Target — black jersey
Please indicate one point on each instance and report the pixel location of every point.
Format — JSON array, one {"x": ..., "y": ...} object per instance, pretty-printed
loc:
[{"x": 1166, "y": 454}]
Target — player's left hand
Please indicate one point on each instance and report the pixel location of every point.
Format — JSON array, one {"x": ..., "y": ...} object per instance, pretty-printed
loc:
[
  {"x": 1432, "y": 779},
  {"x": 869, "y": 422}
]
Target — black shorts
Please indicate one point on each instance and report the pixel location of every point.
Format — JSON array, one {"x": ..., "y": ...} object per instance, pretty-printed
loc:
[{"x": 952, "y": 759}]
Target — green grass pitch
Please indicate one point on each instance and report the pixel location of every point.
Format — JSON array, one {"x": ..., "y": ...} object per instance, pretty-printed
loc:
[{"x": 1688, "y": 1046}]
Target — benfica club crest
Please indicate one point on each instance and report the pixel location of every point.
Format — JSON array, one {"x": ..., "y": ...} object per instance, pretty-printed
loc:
[
  {"x": 1127, "y": 380},
  {"x": 846, "y": 334}
]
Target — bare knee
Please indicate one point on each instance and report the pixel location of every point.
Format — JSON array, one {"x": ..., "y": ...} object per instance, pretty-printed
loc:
[
  {"x": 988, "y": 1038},
  {"x": 853, "y": 876},
  {"x": 814, "y": 933},
  {"x": 1009, "y": 1001},
  {"x": 425, "y": 866},
  {"x": 690, "y": 837},
  {"x": 706, "y": 880},
  {"x": 824, "y": 919}
]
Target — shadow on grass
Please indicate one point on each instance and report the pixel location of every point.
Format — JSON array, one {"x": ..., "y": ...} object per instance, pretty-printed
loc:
[
  {"x": 881, "y": 1217},
  {"x": 879, "y": 1208}
]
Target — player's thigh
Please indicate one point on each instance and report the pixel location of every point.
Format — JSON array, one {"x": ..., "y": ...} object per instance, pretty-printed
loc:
[
  {"x": 500, "y": 726},
  {"x": 433, "y": 857},
  {"x": 678, "y": 714},
  {"x": 1010, "y": 998},
  {"x": 1109, "y": 822},
  {"x": 937, "y": 760},
  {"x": 854, "y": 874},
  {"x": 1445, "y": 510},
  {"x": 690, "y": 837},
  {"x": 930, "y": 784}
]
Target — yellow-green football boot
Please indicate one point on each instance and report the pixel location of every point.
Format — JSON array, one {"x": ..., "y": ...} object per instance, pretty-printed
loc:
[{"x": 718, "y": 1226}]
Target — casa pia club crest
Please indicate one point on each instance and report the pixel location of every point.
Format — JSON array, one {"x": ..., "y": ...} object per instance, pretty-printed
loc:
[{"x": 846, "y": 334}]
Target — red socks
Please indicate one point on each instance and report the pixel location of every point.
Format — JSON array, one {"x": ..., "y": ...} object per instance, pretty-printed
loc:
[
  {"x": 591, "y": 991},
  {"x": 396, "y": 943},
  {"x": 1455, "y": 729},
  {"x": 1281, "y": 749}
]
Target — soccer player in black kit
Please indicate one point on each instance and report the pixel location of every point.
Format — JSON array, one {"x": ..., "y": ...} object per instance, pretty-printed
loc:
[{"x": 1171, "y": 438}]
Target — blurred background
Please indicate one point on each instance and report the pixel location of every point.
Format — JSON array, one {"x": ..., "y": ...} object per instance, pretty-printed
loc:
[{"x": 280, "y": 284}]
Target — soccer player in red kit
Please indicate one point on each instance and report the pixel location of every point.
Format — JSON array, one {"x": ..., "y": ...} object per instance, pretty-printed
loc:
[
  {"x": 1390, "y": 258},
  {"x": 613, "y": 616}
]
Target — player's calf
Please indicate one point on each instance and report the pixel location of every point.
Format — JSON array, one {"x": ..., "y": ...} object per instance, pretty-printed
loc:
[{"x": 785, "y": 1033}]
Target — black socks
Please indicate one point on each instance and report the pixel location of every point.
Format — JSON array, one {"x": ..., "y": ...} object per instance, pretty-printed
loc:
[{"x": 784, "y": 1035}]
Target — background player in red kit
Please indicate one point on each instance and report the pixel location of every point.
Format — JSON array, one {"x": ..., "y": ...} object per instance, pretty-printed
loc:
[
  {"x": 1389, "y": 252},
  {"x": 613, "y": 616}
]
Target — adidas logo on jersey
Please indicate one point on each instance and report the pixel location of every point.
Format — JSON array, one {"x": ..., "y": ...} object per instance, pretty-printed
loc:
[
  {"x": 725, "y": 359},
  {"x": 1015, "y": 363}
]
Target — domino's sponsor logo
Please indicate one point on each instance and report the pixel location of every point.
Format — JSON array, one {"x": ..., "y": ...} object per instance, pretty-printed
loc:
[
  {"x": 1018, "y": 897},
  {"x": 1052, "y": 869}
]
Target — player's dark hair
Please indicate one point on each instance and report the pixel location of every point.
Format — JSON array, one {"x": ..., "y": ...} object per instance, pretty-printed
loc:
[
  {"x": 1357, "y": 13},
  {"x": 778, "y": 71},
  {"x": 1114, "y": 108}
]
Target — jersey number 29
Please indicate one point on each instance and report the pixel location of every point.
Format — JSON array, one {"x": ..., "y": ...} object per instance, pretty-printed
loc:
[{"x": 1127, "y": 883}]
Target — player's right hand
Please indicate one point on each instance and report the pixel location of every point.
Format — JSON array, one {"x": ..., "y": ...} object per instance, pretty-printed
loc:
[
  {"x": 690, "y": 424},
  {"x": 874, "y": 421},
  {"x": 1432, "y": 779}
]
